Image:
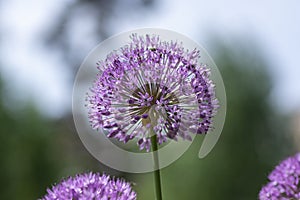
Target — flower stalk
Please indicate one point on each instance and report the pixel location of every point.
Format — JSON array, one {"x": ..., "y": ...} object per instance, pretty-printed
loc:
[{"x": 157, "y": 180}]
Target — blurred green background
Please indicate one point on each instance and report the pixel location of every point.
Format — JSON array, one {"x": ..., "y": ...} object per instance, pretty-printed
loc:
[{"x": 39, "y": 147}]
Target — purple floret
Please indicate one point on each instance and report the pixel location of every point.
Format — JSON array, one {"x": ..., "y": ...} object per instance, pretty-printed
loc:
[
  {"x": 152, "y": 85},
  {"x": 284, "y": 181},
  {"x": 91, "y": 186}
]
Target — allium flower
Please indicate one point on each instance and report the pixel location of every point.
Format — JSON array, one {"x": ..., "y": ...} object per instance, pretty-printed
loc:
[
  {"x": 152, "y": 87},
  {"x": 91, "y": 186},
  {"x": 284, "y": 181}
]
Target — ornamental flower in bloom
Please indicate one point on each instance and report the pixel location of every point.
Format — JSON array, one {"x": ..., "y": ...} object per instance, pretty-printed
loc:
[
  {"x": 150, "y": 86},
  {"x": 284, "y": 181},
  {"x": 91, "y": 186}
]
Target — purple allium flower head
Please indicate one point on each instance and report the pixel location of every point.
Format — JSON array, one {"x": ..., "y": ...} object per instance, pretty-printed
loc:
[
  {"x": 150, "y": 87},
  {"x": 91, "y": 186},
  {"x": 284, "y": 181}
]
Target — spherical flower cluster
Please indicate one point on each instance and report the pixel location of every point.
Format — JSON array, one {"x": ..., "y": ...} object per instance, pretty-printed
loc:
[
  {"x": 152, "y": 87},
  {"x": 91, "y": 186},
  {"x": 284, "y": 181}
]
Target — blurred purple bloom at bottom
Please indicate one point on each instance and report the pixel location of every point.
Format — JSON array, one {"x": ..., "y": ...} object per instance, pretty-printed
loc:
[
  {"x": 284, "y": 181},
  {"x": 91, "y": 186}
]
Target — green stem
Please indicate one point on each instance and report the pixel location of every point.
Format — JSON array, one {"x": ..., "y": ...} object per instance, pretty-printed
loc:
[{"x": 157, "y": 180}]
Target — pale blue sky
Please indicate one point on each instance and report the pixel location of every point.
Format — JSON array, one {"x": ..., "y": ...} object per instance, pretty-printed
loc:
[{"x": 34, "y": 72}]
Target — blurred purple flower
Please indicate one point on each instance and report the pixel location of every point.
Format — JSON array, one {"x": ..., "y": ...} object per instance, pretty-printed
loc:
[
  {"x": 152, "y": 87},
  {"x": 284, "y": 181},
  {"x": 91, "y": 186}
]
